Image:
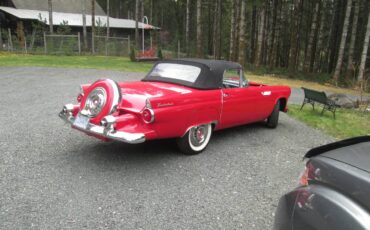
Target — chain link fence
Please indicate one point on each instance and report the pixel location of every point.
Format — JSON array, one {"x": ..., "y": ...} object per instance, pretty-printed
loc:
[
  {"x": 62, "y": 44},
  {"x": 112, "y": 46},
  {"x": 39, "y": 42}
]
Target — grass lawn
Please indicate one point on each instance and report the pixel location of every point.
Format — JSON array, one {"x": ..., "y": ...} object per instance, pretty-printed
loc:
[
  {"x": 95, "y": 62},
  {"x": 348, "y": 123},
  {"x": 272, "y": 80}
]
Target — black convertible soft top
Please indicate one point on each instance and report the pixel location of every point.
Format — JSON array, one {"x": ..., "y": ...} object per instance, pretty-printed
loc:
[{"x": 210, "y": 76}]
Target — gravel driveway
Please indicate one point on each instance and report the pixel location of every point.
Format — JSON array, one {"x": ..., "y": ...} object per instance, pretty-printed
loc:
[{"x": 53, "y": 177}]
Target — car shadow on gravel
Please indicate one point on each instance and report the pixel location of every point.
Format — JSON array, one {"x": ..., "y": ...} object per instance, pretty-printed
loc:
[
  {"x": 118, "y": 152},
  {"x": 108, "y": 154}
]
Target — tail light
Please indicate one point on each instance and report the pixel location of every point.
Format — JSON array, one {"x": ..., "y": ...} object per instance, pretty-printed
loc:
[
  {"x": 309, "y": 173},
  {"x": 148, "y": 115},
  {"x": 79, "y": 97}
]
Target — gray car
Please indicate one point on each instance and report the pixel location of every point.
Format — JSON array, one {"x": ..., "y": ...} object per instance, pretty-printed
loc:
[{"x": 334, "y": 191}]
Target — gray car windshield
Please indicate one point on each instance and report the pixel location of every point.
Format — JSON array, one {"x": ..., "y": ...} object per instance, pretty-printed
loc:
[{"x": 182, "y": 72}]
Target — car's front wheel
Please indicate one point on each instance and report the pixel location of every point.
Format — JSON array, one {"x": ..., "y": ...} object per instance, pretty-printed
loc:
[{"x": 195, "y": 140}]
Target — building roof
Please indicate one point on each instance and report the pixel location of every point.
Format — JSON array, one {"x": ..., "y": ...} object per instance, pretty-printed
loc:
[
  {"x": 73, "y": 19},
  {"x": 65, "y": 6}
]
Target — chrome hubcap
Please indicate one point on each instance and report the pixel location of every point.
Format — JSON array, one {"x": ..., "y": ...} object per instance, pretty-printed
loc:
[
  {"x": 95, "y": 102},
  {"x": 198, "y": 135}
]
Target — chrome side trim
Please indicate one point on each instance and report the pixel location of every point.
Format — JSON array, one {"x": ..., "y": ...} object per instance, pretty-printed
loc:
[{"x": 106, "y": 131}]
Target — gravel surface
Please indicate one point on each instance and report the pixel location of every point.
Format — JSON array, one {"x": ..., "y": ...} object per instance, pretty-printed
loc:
[{"x": 53, "y": 177}]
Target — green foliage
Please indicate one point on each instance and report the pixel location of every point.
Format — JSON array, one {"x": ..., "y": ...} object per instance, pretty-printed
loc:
[
  {"x": 64, "y": 28},
  {"x": 348, "y": 123},
  {"x": 100, "y": 28},
  {"x": 39, "y": 25},
  {"x": 133, "y": 54},
  {"x": 159, "y": 54}
]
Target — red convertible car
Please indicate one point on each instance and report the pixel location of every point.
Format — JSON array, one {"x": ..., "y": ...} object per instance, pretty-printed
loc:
[{"x": 186, "y": 99}]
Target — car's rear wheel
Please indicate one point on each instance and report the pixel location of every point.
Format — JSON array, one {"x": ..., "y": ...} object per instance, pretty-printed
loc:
[
  {"x": 273, "y": 119},
  {"x": 195, "y": 140}
]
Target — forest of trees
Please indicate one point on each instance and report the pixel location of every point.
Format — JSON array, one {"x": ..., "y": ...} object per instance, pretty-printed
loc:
[{"x": 318, "y": 37}]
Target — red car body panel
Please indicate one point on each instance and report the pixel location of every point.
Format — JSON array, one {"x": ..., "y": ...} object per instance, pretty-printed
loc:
[{"x": 177, "y": 108}]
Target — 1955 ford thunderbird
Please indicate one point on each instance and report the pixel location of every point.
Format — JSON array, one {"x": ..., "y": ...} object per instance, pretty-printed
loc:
[{"x": 186, "y": 99}]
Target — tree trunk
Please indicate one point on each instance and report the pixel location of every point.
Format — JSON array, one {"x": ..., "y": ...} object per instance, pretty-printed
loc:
[
  {"x": 260, "y": 36},
  {"x": 84, "y": 31},
  {"x": 141, "y": 10},
  {"x": 326, "y": 56},
  {"x": 320, "y": 39},
  {"x": 279, "y": 36},
  {"x": 151, "y": 12},
  {"x": 219, "y": 29},
  {"x": 108, "y": 5},
  {"x": 199, "y": 29},
  {"x": 350, "y": 65},
  {"x": 361, "y": 72},
  {"x": 232, "y": 31},
  {"x": 237, "y": 29},
  {"x": 265, "y": 34},
  {"x": 137, "y": 41},
  {"x": 241, "y": 58},
  {"x": 342, "y": 42},
  {"x": 187, "y": 28},
  {"x": 215, "y": 18},
  {"x": 253, "y": 35},
  {"x": 294, "y": 36},
  {"x": 335, "y": 34},
  {"x": 50, "y": 7},
  {"x": 93, "y": 26},
  {"x": 273, "y": 34},
  {"x": 311, "y": 40}
]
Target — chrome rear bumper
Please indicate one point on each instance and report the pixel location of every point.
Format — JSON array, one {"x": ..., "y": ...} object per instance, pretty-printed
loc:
[{"x": 104, "y": 131}]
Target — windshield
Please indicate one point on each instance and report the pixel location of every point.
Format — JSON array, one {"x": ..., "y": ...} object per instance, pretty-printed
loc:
[{"x": 182, "y": 72}]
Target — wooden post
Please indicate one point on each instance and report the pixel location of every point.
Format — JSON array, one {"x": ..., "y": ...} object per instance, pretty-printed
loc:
[
  {"x": 106, "y": 45},
  {"x": 32, "y": 39},
  {"x": 1, "y": 39},
  {"x": 79, "y": 44},
  {"x": 129, "y": 45},
  {"x": 45, "y": 46},
  {"x": 25, "y": 45},
  {"x": 10, "y": 40}
]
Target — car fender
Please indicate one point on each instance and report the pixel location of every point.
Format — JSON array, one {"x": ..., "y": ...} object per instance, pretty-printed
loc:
[
  {"x": 321, "y": 207},
  {"x": 203, "y": 116}
]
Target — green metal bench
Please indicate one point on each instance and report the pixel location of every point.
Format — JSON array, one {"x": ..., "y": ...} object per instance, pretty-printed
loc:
[{"x": 313, "y": 96}]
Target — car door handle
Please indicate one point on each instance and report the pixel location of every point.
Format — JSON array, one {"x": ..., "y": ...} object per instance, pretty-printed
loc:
[{"x": 225, "y": 94}]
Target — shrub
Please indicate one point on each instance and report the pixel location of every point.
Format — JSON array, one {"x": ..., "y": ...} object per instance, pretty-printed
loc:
[
  {"x": 159, "y": 54},
  {"x": 133, "y": 54}
]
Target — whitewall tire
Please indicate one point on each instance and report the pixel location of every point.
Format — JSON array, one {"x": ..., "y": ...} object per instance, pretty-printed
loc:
[{"x": 195, "y": 140}]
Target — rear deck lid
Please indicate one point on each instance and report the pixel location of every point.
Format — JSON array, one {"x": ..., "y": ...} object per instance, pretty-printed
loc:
[{"x": 353, "y": 151}]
